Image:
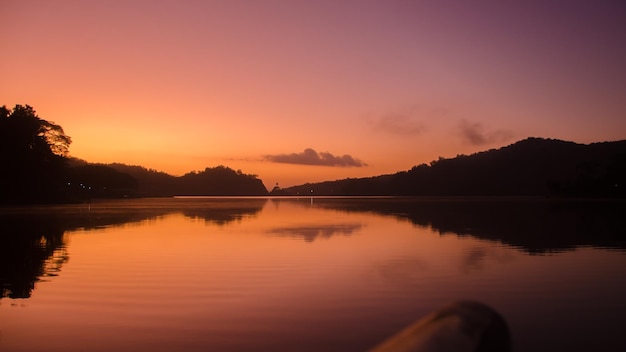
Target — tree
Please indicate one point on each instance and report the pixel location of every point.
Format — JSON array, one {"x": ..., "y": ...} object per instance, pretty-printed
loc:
[
  {"x": 22, "y": 131},
  {"x": 32, "y": 154}
]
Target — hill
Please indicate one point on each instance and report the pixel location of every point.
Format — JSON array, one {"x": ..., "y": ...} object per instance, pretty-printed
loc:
[
  {"x": 87, "y": 180},
  {"x": 216, "y": 181},
  {"x": 531, "y": 167}
]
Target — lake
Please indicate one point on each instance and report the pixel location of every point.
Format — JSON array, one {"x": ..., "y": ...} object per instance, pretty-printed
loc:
[{"x": 306, "y": 274}]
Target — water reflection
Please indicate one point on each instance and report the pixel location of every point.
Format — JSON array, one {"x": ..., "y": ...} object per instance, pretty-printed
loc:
[
  {"x": 477, "y": 257},
  {"x": 287, "y": 274},
  {"x": 221, "y": 211},
  {"x": 33, "y": 243},
  {"x": 536, "y": 226},
  {"x": 310, "y": 233},
  {"x": 29, "y": 250}
]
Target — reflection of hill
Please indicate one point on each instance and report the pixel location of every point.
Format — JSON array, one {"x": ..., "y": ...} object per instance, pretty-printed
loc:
[
  {"x": 224, "y": 210},
  {"x": 28, "y": 250},
  {"x": 310, "y": 233},
  {"x": 32, "y": 242},
  {"x": 536, "y": 226}
]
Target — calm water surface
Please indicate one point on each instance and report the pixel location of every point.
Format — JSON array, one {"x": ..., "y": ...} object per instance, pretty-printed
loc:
[{"x": 320, "y": 274}]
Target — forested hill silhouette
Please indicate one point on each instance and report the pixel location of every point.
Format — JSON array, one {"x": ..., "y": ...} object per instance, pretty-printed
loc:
[
  {"x": 121, "y": 180},
  {"x": 216, "y": 181},
  {"x": 530, "y": 167},
  {"x": 36, "y": 168}
]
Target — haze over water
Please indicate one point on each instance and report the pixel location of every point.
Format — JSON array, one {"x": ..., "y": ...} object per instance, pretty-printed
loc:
[{"x": 308, "y": 274}]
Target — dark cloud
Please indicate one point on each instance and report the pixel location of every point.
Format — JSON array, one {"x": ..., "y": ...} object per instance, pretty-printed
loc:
[
  {"x": 475, "y": 134},
  {"x": 311, "y": 157}
]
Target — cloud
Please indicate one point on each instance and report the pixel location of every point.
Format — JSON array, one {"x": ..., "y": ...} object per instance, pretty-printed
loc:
[
  {"x": 311, "y": 157},
  {"x": 399, "y": 124},
  {"x": 406, "y": 121},
  {"x": 474, "y": 133}
]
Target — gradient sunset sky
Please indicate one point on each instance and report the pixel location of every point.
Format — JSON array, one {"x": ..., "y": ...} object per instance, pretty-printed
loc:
[{"x": 306, "y": 91}]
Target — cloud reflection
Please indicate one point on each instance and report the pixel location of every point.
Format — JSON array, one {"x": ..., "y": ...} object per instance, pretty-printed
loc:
[
  {"x": 310, "y": 233},
  {"x": 537, "y": 226}
]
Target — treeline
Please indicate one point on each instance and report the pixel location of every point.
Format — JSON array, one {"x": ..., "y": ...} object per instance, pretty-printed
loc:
[
  {"x": 33, "y": 157},
  {"x": 531, "y": 167},
  {"x": 121, "y": 180},
  {"x": 216, "y": 181},
  {"x": 36, "y": 168}
]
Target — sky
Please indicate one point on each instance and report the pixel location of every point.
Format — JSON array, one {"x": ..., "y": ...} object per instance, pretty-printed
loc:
[{"x": 307, "y": 91}]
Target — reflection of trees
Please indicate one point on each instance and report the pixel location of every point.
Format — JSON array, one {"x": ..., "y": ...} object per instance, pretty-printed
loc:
[
  {"x": 537, "y": 226},
  {"x": 32, "y": 245},
  {"x": 32, "y": 242},
  {"x": 221, "y": 211},
  {"x": 28, "y": 250},
  {"x": 311, "y": 232}
]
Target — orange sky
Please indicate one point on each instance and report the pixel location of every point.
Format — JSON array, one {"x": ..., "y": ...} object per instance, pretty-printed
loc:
[{"x": 183, "y": 85}]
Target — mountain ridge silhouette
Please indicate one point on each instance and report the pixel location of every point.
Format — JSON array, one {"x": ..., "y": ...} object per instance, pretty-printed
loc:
[{"x": 530, "y": 167}]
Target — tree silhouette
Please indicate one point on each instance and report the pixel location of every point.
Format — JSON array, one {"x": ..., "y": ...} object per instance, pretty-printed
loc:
[
  {"x": 220, "y": 181},
  {"x": 531, "y": 167},
  {"x": 31, "y": 247},
  {"x": 33, "y": 154}
]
